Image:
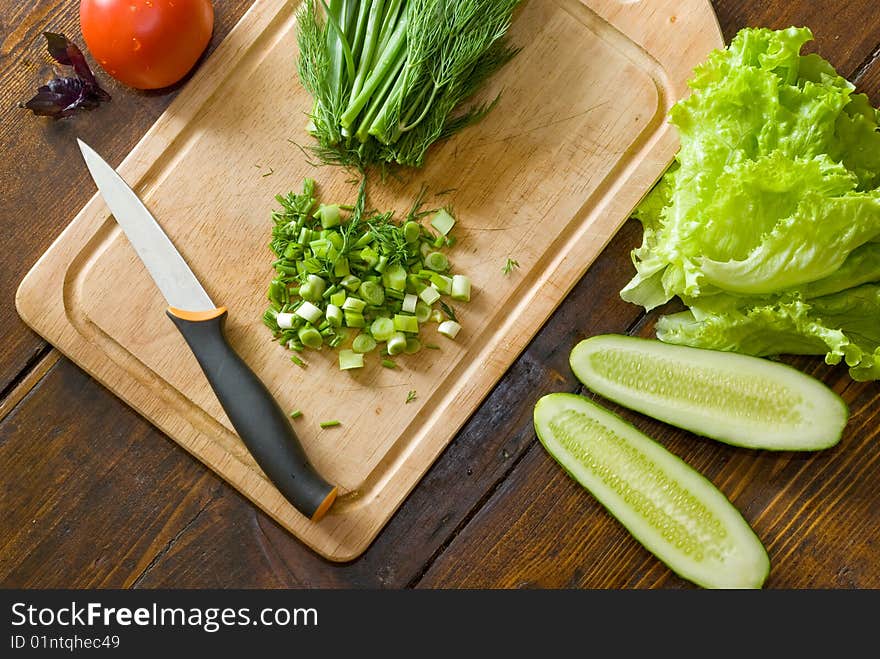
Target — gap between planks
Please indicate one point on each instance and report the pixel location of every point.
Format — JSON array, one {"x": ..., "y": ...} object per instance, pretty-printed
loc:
[{"x": 27, "y": 380}]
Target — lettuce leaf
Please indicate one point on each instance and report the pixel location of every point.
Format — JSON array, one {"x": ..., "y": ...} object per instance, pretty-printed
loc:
[
  {"x": 842, "y": 326},
  {"x": 767, "y": 225}
]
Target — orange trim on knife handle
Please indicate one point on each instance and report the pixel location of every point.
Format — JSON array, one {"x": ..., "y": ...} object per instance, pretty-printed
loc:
[
  {"x": 325, "y": 505},
  {"x": 196, "y": 316}
]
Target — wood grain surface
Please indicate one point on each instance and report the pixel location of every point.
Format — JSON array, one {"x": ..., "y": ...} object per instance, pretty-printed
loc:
[{"x": 92, "y": 495}]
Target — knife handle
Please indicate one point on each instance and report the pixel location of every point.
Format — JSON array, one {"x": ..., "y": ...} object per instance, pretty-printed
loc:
[{"x": 254, "y": 413}]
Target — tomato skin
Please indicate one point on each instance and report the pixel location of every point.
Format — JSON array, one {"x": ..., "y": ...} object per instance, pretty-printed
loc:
[{"x": 147, "y": 44}]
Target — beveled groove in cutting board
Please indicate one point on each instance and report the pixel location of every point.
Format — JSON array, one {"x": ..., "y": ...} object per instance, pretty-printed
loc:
[{"x": 577, "y": 138}]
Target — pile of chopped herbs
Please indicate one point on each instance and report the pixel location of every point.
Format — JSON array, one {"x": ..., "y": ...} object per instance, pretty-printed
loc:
[
  {"x": 391, "y": 77},
  {"x": 357, "y": 280}
]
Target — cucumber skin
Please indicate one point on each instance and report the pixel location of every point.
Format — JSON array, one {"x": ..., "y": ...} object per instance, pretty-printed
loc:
[
  {"x": 762, "y": 565},
  {"x": 797, "y": 441}
]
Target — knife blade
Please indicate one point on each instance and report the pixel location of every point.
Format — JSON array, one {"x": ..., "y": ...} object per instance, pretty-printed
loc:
[{"x": 251, "y": 408}]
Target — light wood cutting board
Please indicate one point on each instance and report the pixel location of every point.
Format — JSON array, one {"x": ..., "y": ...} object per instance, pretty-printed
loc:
[{"x": 579, "y": 136}]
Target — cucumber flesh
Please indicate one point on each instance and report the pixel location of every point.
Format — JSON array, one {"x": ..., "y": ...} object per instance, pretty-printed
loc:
[
  {"x": 737, "y": 399},
  {"x": 672, "y": 510}
]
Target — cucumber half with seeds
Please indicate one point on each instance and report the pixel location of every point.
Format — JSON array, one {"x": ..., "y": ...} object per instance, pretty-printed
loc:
[
  {"x": 678, "y": 515},
  {"x": 741, "y": 400}
]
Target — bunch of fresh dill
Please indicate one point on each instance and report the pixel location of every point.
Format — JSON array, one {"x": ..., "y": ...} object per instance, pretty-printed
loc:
[{"x": 390, "y": 77}]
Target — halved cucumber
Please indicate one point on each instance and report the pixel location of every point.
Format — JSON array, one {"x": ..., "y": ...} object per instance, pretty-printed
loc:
[
  {"x": 737, "y": 399},
  {"x": 676, "y": 513}
]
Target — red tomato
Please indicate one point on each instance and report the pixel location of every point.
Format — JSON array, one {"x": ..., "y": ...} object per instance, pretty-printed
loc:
[{"x": 147, "y": 44}]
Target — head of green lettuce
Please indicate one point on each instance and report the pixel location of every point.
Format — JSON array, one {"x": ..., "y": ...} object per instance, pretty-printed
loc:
[{"x": 767, "y": 225}]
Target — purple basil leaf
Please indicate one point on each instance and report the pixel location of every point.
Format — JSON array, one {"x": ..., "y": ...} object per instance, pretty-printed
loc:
[
  {"x": 64, "y": 96},
  {"x": 64, "y": 51}
]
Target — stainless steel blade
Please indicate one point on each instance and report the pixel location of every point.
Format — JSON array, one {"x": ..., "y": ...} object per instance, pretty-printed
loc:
[{"x": 164, "y": 263}]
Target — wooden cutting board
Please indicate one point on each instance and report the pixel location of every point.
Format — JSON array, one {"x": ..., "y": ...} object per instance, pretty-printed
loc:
[{"x": 579, "y": 136}]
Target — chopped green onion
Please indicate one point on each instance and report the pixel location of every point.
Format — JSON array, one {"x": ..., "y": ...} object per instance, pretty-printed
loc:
[
  {"x": 372, "y": 293},
  {"x": 432, "y": 346},
  {"x": 437, "y": 261},
  {"x": 369, "y": 257},
  {"x": 284, "y": 320},
  {"x": 335, "y": 239},
  {"x": 364, "y": 240},
  {"x": 449, "y": 328},
  {"x": 436, "y": 316},
  {"x": 461, "y": 288},
  {"x": 387, "y": 363},
  {"x": 340, "y": 338},
  {"x": 396, "y": 344},
  {"x": 296, "y": 360},
  {"x": 443, "y": 221},
  {"x": 442, "y": 283},
  {"x": 296, "y": 414},
  {"x": 361, "y": 270},
  {"x": 414, "y": 284},
  {"x": 341, "y": 267},
  {"x": 310, "y": 337},
  {"x": 395, "y": 277},
  {"x": 354, "y": 304},
  {"x": 312, "y": 289},
  {"x": 363, "y": 343},
  {"x": 423, "y": 312},
  {"x": 308, "y": 311},
  {"x": 430, "y": 295},
  {"x": 411, "y": 231},
  {"x": 409, "y": 303},
  {"x": 354, "y": 319},
  {"x": 329, "y": 215},
  {"x": 411, "y": 396},
  {"x": 320, "y": 248},
  {"x": 330, "y": 424},
  {"x": 382, "y": 328},
  {"x": 350, "y": 283},
  {"x": 334, "y": 315},
  {"x": 404, "y": 323},
  {"x": 349, "y": 359}
]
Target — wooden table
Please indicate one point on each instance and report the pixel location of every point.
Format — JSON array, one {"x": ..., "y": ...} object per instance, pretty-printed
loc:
[{"x": 93, "y": 496}]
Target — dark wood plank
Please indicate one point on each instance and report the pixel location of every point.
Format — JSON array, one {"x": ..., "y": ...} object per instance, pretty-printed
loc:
[
  {"x": 815, "y": 513},
  {"x": 223, "y": 547},
  {"x": 44, "y": 183},
  {"x": 868, "y": 79},
  {"x": 846, "y": 33},
  {"x": 234, "y": 545},
  {"x": 91, "y": 493}
]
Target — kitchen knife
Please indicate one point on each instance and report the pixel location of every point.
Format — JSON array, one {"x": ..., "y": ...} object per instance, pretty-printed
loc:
[{"x": 254, "y": 413}]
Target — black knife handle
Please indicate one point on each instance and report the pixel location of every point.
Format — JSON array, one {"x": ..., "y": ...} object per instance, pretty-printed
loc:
[{"x": 254, "y": 413}]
